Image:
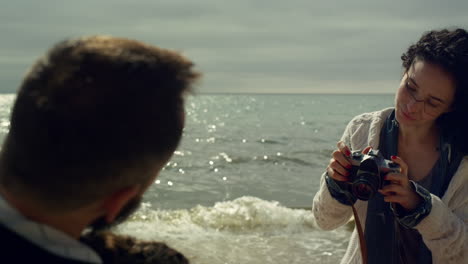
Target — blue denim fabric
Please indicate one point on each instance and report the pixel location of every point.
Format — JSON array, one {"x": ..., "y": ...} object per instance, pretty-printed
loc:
[
  {"x": 412, "y": 218},
  {"x": 339, "y": 191}
]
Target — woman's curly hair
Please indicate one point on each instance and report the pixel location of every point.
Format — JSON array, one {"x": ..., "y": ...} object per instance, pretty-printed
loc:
[{"x": 449, "y": 50}]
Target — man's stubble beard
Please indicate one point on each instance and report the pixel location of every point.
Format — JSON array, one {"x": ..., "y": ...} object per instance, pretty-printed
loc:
[{"x": 101, "y": 224}]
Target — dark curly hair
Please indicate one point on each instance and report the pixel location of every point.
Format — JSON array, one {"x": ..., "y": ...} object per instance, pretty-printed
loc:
[
  {"x": 121, "y": 249},
  {"x": 449, "y": 50}
]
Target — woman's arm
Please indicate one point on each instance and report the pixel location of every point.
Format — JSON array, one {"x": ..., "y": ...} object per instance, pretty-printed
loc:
[
  {"x": 328, "y": 212},
  {"x": 445, "y": 229},
  {"x": 442, "y": 224},
  {"x": 362, "y": 131}
]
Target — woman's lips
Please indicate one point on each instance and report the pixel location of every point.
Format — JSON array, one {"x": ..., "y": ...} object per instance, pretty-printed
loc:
[{"x": 407, "y": 116}]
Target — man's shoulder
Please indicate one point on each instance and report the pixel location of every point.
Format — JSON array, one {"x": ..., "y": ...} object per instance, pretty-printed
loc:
[{"x": 16, "y": 249}]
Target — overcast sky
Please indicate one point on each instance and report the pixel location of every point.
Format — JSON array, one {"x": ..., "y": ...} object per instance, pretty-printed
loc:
[{"x": 272, "y": 46}]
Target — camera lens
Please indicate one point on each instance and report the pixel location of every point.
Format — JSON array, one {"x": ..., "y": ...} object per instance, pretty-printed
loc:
[
  {"x": 363, "y": 190},
  {"x": 365, "y": 186}
]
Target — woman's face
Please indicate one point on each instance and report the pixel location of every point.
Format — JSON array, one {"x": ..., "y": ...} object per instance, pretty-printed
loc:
[{"x": 426, "y": 92}]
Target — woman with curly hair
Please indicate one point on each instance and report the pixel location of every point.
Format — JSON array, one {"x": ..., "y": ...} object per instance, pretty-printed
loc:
[{"x": 420, "y": 215}]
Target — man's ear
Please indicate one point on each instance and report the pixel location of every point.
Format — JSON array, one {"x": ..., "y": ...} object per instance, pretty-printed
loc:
[{"x": 114, "y": 203}]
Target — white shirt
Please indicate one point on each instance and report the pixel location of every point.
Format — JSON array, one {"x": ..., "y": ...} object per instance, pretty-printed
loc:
[{"x": 46, "y": 237}]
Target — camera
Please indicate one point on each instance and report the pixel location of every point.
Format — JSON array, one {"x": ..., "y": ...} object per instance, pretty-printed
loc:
[{"x": 368, "y": 172}]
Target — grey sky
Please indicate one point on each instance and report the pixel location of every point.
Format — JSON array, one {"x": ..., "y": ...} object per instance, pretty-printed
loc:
[{"x": 241, "y": 46}]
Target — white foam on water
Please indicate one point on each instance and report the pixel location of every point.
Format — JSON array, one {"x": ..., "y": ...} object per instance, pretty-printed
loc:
[{"x": 245, "y": 230}]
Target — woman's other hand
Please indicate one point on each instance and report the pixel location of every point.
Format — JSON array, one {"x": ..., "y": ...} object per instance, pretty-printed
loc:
[{"x": 400, "y": 189}]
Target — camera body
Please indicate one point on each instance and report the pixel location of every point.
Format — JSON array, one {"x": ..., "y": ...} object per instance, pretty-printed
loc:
[{"x": 368, "y": 172}]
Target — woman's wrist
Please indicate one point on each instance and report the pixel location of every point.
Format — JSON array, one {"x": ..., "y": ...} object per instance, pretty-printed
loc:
[
  {"x": 339, "y": 191},
  {"x": 411, "y": 218}
]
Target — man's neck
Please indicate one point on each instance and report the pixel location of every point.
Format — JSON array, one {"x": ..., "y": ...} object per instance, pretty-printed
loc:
[{"x": 71, "y": 223}]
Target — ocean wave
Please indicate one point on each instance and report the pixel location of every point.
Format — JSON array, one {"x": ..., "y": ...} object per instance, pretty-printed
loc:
[
  {"x": 243, "y": 214},
  {"x": 270, "y": 142},
  {"x": 244, "y": 230},
  {"x": 250, "y": 213},
  {"x": 224, "y": 159}
]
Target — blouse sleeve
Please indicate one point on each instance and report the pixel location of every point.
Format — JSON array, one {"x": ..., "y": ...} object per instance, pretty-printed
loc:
[
  {"x": 445, "y": 229},
  {"x": 329, "y": 213}
]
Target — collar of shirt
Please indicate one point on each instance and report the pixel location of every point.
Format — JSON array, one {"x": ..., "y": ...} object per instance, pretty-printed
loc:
[{"x": 46, "y": 237}]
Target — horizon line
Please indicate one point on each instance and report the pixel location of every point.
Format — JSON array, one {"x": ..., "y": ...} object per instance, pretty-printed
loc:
[
  {"x": 298, "y": 93},
  {"x": 269, "y": 93}
]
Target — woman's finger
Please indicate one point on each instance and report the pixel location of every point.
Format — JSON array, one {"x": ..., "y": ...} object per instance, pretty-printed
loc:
[
  {"x": 366, "y": 150},
  {"x": 335, "y": 175},
  {"x": 409, "y": 202},
  {"x": 396, "y": 178},
  {"x": 401, "y": 163},
  {"x": 341, "y": 159},
  {"x": 343, "y": 148},
  {"x": 395, "y": 198},
  {"x": 392, "y": 189},
  {"x": 336, "y": 166}
]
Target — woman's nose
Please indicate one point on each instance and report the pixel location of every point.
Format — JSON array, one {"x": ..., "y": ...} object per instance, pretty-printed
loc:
[{"x": 415, "y": 106}]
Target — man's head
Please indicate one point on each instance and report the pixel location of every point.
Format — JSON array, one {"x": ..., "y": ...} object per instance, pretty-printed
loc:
[{"x": 94, "y": 116}]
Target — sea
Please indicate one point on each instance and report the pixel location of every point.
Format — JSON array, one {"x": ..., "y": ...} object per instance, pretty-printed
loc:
[{"x": 240, "y": 186}]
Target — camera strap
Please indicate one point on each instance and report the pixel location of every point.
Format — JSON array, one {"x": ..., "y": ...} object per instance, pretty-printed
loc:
[{"x": 362, "y": 240}]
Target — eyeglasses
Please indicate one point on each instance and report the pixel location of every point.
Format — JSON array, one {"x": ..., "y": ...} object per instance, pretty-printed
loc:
[{"x": 430, "y": 107}]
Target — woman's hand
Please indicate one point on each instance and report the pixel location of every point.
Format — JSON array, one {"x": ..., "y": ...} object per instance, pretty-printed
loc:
[
  {"x": 400, "y": 190},
  {"x": 339, "y": 164}
]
